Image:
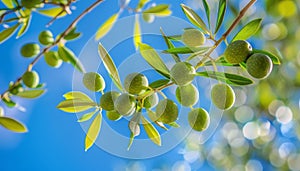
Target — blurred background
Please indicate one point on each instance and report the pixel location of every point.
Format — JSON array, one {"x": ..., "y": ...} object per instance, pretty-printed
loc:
[{"x": 262, "y": 132}]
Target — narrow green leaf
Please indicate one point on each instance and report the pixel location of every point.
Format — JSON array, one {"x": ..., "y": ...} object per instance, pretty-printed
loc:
[
  {"x": 8, "y": 102},
  {"x": 1, "y": 111},
  {"x": 72, "y": 35},
  {"x": 130, "y": 141},
  {"x": 153, "y": 59},
  {"x": 194, "y": 18},
  {"x": 151, "y": 131},
  {"x": 160, "y": 124},
  {"x": 87, "y": 116},
  {"x": 93, "y": 132},
  {"x": 186, "y": 50},
  {"x": 53, "y": 12},
  {"x": 141, "y": 4},
  {"x": 221, "y": 14},
  {"x": 159, "y": 10},
  {"x": 5, "y": 34},
  {"x": 159, "y": 83},
  {"x": 66, "y": 53},
  {"x": 106, "y": 26},
  {"x": 12, "y": 124},
  {"x": 134, "y": 127},
  {"x": 207, "y": 11},
  {"x": 228, "y": 78},
  {"x": 8, "y": 3},
  {"x": 75, "y": 105},
  {"x": 110, "y": 66},
  {"x": 77, "y": 95},
  {"x": 275, "y": 59},
  {"x": 137, "y": 38},
  {"x": 248, "y": 30},
  {"x": 243, "y": 65},
  {"x": 24, "y": 26},
  {"x": 31, "y": 93},
  {"x": 221, "y": 61},
  {"x": 175, "y": 37},
  {"x": 170, "y": 45},
  {"x": 174, "y": 124}
]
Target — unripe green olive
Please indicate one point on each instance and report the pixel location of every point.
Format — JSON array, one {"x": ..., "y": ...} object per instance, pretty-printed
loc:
[
  {"x": 46, "y": 37},
  {"x": 222, "y": 96},
  {"x": 31, "y": 79},
  {"x": 149, "y": 18},
  {"x": 107, "y": 100},
  {"x": 183, "y": 73},
  {"x": 93, "y": 81},
  {"x": 198, "y": 119},
  {"x": 29, "y": 4},
  {"x": 167, "y": 111},
  {"x": 151, "y": 101},
  {"x": 193, "y": 38},
  {"x": 52, "y": 59},
  {"x": 30, "y": 50},
  {"x": 259, "y": 65},
  {"x": 136, "y": 83},
  {"x": 113, "y": 115},
  {"x": 187, "y": 95},
  {"x": 237, "y": 51},
  {"x": 125, "y": 104},
  {"x": 17, "y": 89}
]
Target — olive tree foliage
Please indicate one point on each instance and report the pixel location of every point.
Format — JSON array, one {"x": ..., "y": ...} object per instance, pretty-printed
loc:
[{"x": 136, "y": 95}]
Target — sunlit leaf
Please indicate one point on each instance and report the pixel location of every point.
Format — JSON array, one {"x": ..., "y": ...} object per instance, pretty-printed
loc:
[
  {"x": 248, "y": 30},
  {"x": 75, "y": 105},
  {"x": 25, "y": 26},
  {"x": 106, "y": 26},
  {"x": 141, "y": 4},
  {"x": 12, "y": 124},
  {"x": 134, "y": 127},
  {"x": 207, "y": 11},
  {"x": 274, "y": 58},
  {"x": 5, "y": 34},
  {"x": 72, "y": 35},
  {"x": 87, "y": 116},
  {"x": 8, "y": 102},
  {"x": 170, "y": 45},
  {"x": 31, "y": 93},
  {"x": 174, "y": 124},
  {"x": 110, "y": 66},
  {"x": 232, "y": 79},
  {"x": 53, "y": 12},
  {"x": 93, "y": 132},
  {"x": 153, "y": 59},
  {"x": 159, "y": 10},
  {"x": 8, "y": 3},
  {"x": 175, "y": 37},
  {"x": 77, "y": 95},
  {"x": 151, "y": 131},
  {"x": 66, "y": 53},
  {"x": 1, "y": 111},
  {"x": 137, "y": 38},
  {"x": 186, "y": 50},
  {"x": 194, "y": 18},
  {"x": 221, "y": 14},
  {"x": 159, "y": 83}
]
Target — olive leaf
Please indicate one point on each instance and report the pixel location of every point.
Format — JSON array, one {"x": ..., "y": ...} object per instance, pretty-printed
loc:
[
  {"x": 248, "y": 30},
  {"x": 87, "y": 116},
  {"x": 174, "y": 124},
  {"x": 25, "y": 26},
  {"x": 154, "y": 60},
  {"x": 30, "y": 93},
  {"x": 141, "y": 4},
  {"x": 12, "y": 124},
  {"x": 1, "y": 111},
  {"x": 106, "y": 26},
  {"x": 8, "y": 102},
  {"x": 72, "y": 35},
  {"x": 207, "y": 11},
  {"x": 175, "y": 37},
  {"x": 159, "y": 83},
  {"x": 274, "y": 58},
  {"x": 137, "y": 38},
  {"x": 194, "y": 18},
  {"x": 53, "y": 12},
  {"x": 110, "y": 66},
  {"x": 221, "y": 14},
  {"x": 75, "y": 105},
  {"x": 186, "y": 50},
  {"x": 221, "y": 61},
  {"x": 8, "y": 3},
  {"x": 67, "y": 55},
  {"x": 134, "y": 127},
  {"x": 151, "y": 131},
  {"x": 93, "y": 131},
  {"x": 5, "y": 34},
  {"x": 232, "y": 79},
  {"x": 77, "y": 95},
  {"x": 170, "y": 45},
  {"x": 159, "y": 10}
]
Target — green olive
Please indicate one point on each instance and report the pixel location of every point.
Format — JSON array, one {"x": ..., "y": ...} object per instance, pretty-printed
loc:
[
  {"x": 149, "y": 18},
  {"x": 182, "y": 73},
  {"x": 52, "y": 59},
  {"x": 29, "y": 4},
  {"x": 198, "y": 119},
  {"x": 151, "y": 101},
  {"x": 125, "y": 104},
  {"x": 136, "y": 83},
  {"x": 222, "y": 96},
  {"x": 113, "y": 115},
  {"x": 167, "y": 111},
  {"x": 46, "y": 37},
  {"x": 259, "y": 65},
  {"x": 31, "y": 79},
  {"x": 187, "y": 95},
  {"x": 107, "y": 100},
  {"x": 30, "y": 50},
  {"x": 237, "y": 51},
  {"x": 93, "y": 81},
  {"x": 193, "y": 38}
]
